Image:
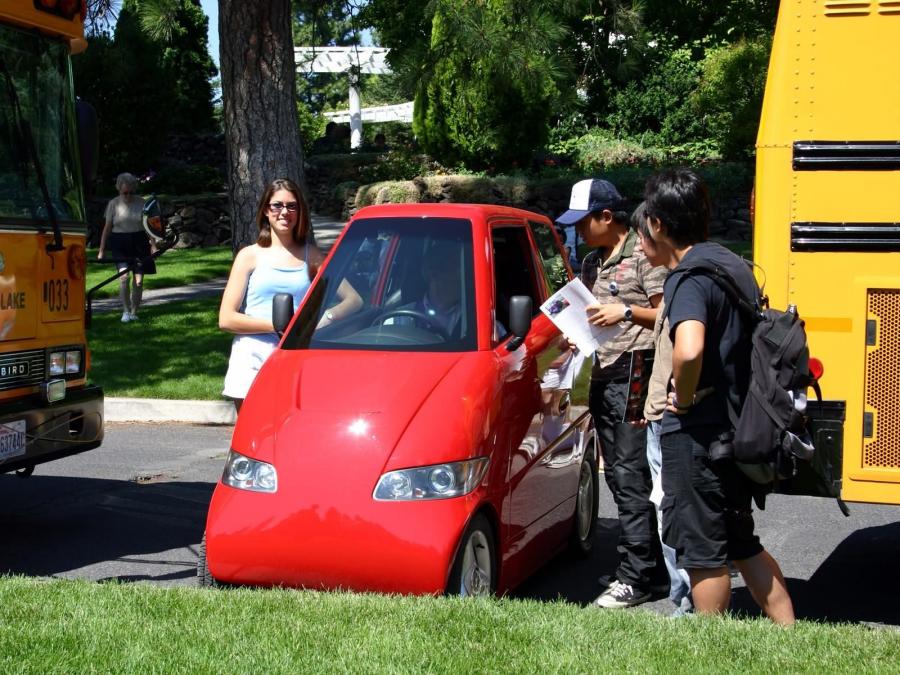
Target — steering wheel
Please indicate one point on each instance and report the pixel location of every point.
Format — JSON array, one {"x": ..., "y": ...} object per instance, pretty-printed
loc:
[{"x": 420, "y": 317}]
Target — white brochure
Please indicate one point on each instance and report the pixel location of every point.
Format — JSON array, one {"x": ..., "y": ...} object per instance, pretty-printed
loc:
[{"x": 567, "y": 308}]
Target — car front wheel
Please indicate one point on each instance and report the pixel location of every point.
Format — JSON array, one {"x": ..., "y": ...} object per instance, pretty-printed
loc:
[
  {"x": 204, "y": 577},
  {"x": 474, "y": 571}
]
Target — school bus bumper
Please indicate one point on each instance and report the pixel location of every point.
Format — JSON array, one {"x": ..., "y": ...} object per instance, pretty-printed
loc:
[{"x": 33, "y": 431}]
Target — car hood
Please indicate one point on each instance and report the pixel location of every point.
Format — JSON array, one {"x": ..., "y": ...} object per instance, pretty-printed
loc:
[{"x": 322, "y": 409}]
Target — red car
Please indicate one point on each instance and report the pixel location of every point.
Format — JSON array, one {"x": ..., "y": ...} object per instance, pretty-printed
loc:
[{"x": 425, "y": 443}]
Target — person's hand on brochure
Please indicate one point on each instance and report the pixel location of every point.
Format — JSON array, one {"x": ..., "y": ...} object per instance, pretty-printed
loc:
[
  {"x": 605, "y": 314},
  {"x": 568, "y": 309}
]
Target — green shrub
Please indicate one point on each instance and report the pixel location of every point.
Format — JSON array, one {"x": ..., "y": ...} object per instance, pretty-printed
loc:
[
  {"x": 599, "y": 149},
  {"x": 312, "y": 126},
  {"x": 657, "y": 106},
  {"x": 489, "y": 85},
  {"x": 396, "y": 165},
  {"x": 186, "y": 180},
  {"x": 729, "y": 97}
]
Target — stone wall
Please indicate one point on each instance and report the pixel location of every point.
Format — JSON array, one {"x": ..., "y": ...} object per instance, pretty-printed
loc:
[
  {"x": 199, "y": 220},
  {"x": 202, "y": 220}
]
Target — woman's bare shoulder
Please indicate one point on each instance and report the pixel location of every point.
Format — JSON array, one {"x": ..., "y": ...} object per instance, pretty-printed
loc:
[{"x": 247, "y": 257}]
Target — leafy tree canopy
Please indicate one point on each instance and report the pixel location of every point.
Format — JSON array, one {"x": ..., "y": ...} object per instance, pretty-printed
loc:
[
  {"x": 148, "y": 79},
  {"x": 487, "y": 80}
]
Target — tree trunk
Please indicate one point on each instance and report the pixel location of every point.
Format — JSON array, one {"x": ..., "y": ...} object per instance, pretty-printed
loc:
[{"x": 262, "y": 136}]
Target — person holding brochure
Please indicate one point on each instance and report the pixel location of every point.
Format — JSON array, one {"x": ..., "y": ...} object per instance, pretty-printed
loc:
[{"x": 627, "y": 291}]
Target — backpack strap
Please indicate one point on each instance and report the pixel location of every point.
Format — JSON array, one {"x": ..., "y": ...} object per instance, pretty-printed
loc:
[{"x": 748, "y": 308}]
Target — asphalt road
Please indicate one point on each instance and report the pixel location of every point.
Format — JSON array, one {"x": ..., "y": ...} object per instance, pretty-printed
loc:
[{"x": 134, "y": 510}]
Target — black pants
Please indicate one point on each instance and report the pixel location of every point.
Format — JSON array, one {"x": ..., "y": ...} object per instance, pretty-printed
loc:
[{"x": 624, "y": 449}]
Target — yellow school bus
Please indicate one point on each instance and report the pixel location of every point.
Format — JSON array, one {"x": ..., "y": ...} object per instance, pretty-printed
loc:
[
  {"x": 827, "y": 224},
  {"x": 47, "y": 409}
]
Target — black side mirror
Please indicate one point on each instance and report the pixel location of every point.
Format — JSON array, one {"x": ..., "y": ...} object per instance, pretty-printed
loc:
[
  {"x": 519, "y": 320},
  {"x": 282, "y": 311}
]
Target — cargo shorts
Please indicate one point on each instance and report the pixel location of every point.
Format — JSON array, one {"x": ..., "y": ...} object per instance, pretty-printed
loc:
[{"x": 706, "y": 507}]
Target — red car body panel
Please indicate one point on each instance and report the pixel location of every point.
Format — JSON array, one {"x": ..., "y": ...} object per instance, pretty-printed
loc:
[{"x": 333, "y": 421}]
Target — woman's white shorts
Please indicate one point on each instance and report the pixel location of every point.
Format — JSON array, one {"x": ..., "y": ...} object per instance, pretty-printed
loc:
[{"x": 248, "y": 353}]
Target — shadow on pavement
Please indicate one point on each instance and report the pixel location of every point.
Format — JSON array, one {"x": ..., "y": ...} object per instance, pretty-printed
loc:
[
  {"x": 857, "y": 583},
  {"x": 92, "y": 522},
  {"x": 573, "y": 578}
]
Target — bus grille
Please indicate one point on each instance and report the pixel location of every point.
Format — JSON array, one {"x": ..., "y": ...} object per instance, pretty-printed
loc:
[
  {"x": 859, "y": 237},
  {"x": 882, "y": 449},
  {"x": 21, "y": 369},
  {"x": 847, "y": 8},
  {"x": 846, "y": 155}
]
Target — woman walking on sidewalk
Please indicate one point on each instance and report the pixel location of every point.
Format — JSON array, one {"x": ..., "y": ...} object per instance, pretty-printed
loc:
[
  {"x": 283, "y": 260},
  {"x": 123, "y": 234}
]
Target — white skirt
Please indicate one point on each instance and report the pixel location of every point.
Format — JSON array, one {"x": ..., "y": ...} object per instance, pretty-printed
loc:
[{"x": 248, "y": 353}]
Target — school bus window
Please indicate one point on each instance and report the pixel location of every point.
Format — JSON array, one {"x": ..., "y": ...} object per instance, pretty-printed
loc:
[{"x": 35, "y": 101}]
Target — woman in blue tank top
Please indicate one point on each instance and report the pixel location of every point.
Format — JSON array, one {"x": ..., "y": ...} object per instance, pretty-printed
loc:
[{"x": 281, "y": 261}]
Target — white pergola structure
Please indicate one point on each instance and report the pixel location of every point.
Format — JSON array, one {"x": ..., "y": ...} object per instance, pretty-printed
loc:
[
  {"x": 401, "y": 112},
  {"x": 353, "y": 61}
]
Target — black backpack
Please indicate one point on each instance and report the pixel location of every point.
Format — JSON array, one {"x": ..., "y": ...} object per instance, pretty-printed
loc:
[{"x": 769, "y": 431}]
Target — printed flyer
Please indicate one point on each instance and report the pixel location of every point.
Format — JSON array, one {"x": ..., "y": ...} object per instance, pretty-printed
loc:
[{"x": 567, "y": 308}]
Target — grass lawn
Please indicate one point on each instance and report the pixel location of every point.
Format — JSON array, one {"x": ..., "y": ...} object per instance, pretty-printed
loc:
[
  {"x": 173, "y": 268},
  {"x": 73, "y": 627},
  {"x": 175, "y": 351}
]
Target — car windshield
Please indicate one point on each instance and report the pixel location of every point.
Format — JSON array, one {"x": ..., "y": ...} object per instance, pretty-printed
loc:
[
  {"x": 36, "y": 100},
  {"x": 415, "y": 282}
]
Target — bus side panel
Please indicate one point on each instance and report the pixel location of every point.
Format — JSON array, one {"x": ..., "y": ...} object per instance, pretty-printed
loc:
[{"x": 828, "y": 221}]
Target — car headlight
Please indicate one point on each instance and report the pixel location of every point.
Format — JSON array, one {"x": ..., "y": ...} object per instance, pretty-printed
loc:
[
  {"x": 245, "y": 473},
  {"x": 439, "y": 481}
]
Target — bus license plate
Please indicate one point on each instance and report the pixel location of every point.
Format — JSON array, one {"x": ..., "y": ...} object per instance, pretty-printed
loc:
[{"x": 12, "y": 439}]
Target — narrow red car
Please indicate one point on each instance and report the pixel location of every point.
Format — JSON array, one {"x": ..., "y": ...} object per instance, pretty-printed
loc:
[{"x": 424, "y": 443}]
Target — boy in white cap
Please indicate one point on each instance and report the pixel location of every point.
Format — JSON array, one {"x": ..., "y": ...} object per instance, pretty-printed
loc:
[{"x": 627, "y": 291}]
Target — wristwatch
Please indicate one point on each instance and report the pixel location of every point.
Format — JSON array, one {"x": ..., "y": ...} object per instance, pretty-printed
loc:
[
  {"x": 628, "y": 313},
  {"x": 329, "y": 315}
]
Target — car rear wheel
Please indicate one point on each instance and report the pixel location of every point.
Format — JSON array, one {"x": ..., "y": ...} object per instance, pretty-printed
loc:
[
  {"x": 474, "y": 571},
  {"x": 586, "y": 504}
]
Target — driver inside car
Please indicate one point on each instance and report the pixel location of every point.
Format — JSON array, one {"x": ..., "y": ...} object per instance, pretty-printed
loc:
[{"x": 441, "y": 301}]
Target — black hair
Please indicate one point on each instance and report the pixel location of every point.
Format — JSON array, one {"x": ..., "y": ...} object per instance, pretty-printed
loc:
[
  {"x": 678, "y": 198},
  {"x": 639, "y": 221}
]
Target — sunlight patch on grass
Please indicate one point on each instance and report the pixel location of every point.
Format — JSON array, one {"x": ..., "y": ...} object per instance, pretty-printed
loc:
[
  {"x": 174, "y": 268},
  {"x": 175, "y": 351}
]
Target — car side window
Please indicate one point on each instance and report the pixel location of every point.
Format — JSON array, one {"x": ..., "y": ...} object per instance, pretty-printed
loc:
[
  {"x": 554, "y": 271},
  {"x": 514, "y": 272}
]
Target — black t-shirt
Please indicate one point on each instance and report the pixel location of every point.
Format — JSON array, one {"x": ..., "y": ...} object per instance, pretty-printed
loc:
[{"x": 726, "y": 349}]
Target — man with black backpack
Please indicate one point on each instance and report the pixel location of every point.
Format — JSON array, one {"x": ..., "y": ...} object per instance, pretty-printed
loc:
[{"x": 706, "y": 510}]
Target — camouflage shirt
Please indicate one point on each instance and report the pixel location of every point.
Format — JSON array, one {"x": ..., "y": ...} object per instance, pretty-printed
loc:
[{"x": 626, "y": 277}]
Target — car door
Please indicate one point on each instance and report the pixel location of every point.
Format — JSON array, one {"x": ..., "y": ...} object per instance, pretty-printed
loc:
[{"x": 540, "y": 475}]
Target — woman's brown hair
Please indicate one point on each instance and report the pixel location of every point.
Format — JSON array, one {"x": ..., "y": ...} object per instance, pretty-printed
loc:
[{"x": 301, "y": 228}]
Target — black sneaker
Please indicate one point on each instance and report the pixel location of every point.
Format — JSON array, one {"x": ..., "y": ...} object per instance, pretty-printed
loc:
[{"x": 620, "y": 595}]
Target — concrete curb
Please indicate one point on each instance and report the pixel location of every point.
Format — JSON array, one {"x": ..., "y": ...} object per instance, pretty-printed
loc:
[{"x": 164, "y": 410}]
